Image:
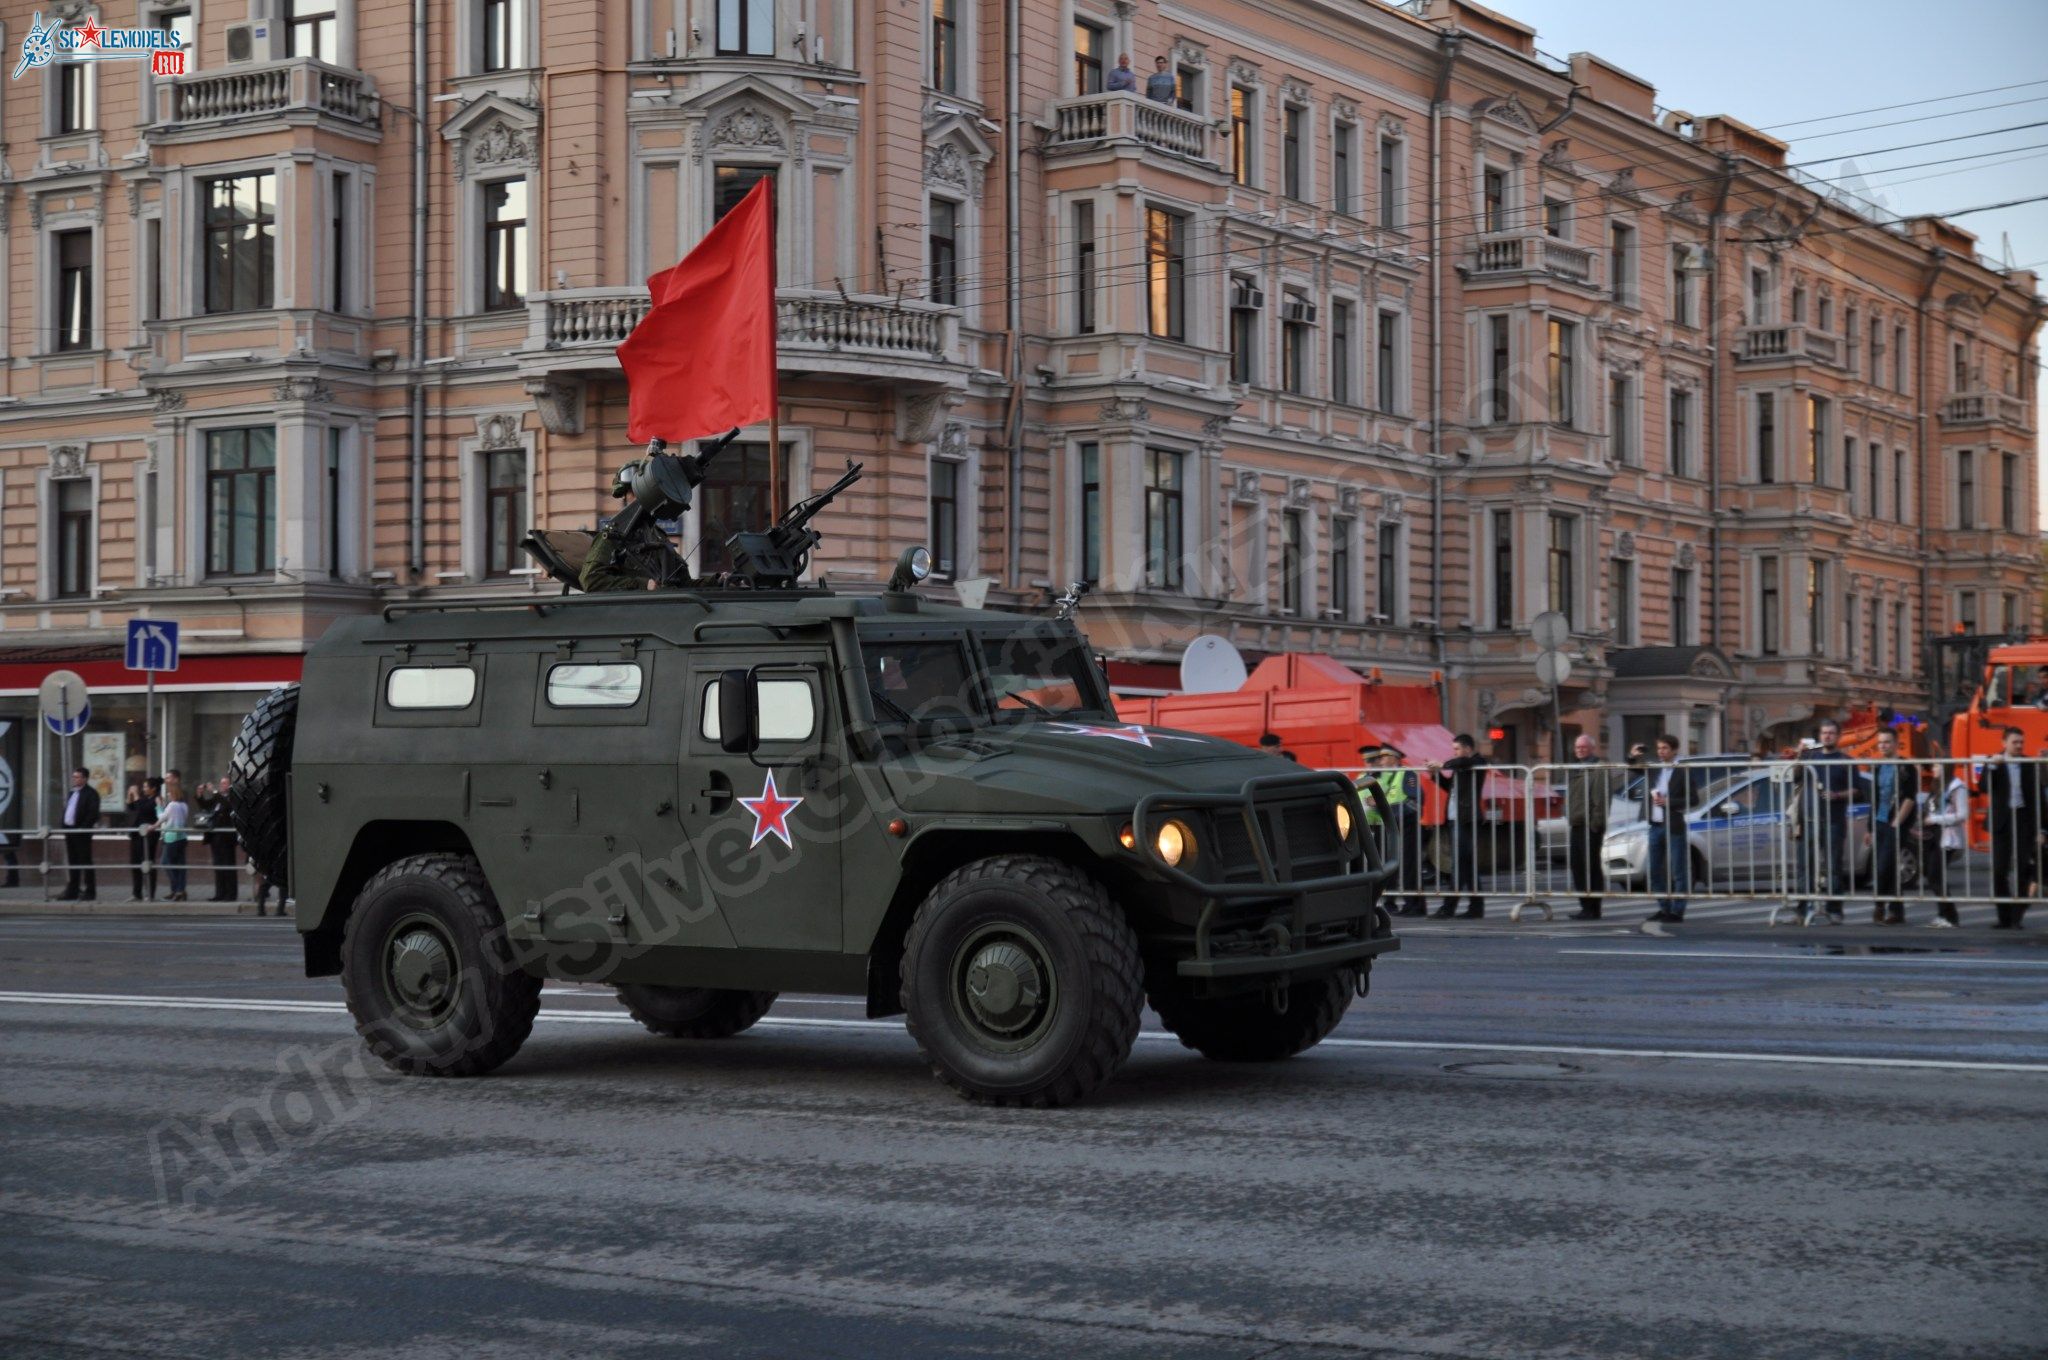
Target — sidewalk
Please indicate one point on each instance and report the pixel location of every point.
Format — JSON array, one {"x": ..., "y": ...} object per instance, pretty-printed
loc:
[{"x": 114, "y": 900}]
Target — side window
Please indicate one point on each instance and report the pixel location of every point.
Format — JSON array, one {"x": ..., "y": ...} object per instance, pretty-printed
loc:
[
  {"x": 582, "y": 685},
  {"x": 430, "y": 687},
  {"x": 789, "y": 710}
]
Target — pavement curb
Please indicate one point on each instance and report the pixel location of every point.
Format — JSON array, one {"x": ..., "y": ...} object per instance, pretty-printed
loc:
[{"x": 128, "y": 908}]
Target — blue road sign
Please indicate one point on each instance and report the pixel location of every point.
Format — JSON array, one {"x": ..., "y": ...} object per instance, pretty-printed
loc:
[
  {"x": 72, "y": 725},
  {"x": 152, "y": 645}
]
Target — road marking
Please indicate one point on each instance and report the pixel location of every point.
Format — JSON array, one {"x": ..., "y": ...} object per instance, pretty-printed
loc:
[
  {"x": 1891, "y": 960},
  {"x": 248, "y": 1005}
]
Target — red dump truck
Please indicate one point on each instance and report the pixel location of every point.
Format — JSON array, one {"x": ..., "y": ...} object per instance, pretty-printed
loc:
[{"x": 1323, "y": 711}]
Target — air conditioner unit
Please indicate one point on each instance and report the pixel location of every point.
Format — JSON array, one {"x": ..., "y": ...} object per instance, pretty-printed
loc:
[
  {"x": 1299, "y": 309},
  {"x": 248, "y": 42},
  {"x": 1246, "y": 296}
]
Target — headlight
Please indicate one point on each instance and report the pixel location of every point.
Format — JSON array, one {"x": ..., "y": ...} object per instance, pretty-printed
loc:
[
  {"x": 1343, "y": 821},
  {"x": 1175, "y": 842}
]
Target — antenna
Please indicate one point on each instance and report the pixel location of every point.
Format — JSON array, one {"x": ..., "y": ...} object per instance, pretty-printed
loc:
[{"x": 1211, "y": 665}]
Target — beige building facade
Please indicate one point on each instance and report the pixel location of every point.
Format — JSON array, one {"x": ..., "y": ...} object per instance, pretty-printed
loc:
[{"x": 1378, "y": 335}]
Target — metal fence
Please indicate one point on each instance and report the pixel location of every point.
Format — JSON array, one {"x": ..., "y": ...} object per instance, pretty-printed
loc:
[
  {"x": 1800, "y": 839},
  {"x": 124, "y": 863}
]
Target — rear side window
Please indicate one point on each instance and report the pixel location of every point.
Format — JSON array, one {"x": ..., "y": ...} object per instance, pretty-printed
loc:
[
  {"x": 582, "y": 685},
  {"x": 430, "y": 687},
  {"x": 788, "y": 710}
]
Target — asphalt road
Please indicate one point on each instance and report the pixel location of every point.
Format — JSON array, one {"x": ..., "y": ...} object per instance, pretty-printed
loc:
[{"x": 1529, "y": 1142}]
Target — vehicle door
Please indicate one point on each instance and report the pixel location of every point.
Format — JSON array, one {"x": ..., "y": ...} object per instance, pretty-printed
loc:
[{"x": 767, "y": 826}]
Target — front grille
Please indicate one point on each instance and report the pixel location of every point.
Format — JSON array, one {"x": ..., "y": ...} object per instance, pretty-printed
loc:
[{"x": 1300, "y": 835}]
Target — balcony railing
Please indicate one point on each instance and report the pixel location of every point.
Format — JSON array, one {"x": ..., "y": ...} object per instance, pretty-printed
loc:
[
  {"x": 1525, "y": 252},
  {"x": 1772, "y": 344},
  {"x": 256, "y": 91},
  {"x": 1121, "y": 117},
  {"x": 805, "y": 322},
  {"x": 1985, "y": 408}
]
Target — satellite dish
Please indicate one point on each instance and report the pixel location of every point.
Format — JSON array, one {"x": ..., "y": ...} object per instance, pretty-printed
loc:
[{"x": 1211, "y": 665}]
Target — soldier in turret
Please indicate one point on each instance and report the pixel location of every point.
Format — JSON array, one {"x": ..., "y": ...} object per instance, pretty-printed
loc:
[{"x": 624, "y": 548}]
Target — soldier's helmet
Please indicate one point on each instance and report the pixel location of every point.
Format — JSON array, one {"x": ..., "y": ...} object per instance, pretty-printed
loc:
[{"x": 623, "y": 483}]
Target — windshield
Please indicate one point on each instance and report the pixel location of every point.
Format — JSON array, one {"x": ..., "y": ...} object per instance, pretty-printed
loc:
[
  {"x": 1039, "y": 673},
  {"x": 918, "y": 680}
]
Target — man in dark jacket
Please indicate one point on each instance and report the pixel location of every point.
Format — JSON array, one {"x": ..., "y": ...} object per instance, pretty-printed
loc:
[
  {"x": 81, "y": 815},
  {"x": 211, "y": 803},
  {"x": 1823, "y": 827},
  {"x": 2015, "y": 810},
  {"x": 1588, "y": 790},
  {"x": 1668, "y": 799},
  {"x": 1894, "y": 810},
  {"x": 1463, "y": 775}
]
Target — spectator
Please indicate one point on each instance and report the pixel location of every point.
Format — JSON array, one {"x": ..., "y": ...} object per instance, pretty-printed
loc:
[
  {"x": 142, "y": 815},
  {"x": 2013, "y": 810},
  {"x": 1822, "y": 826},
  {"x": 172, "y": 820},
  {"x": 1670, "y": 795},
  {"x": 1588, "y": 789},
  {"x": 12, "y": 855},
  {"x": 1160, "y": 86},
  {"x": 1463, "y": 775},
  {"x": 1948, "y": 817},
  {"x": 1123, "y": 77},
  {"x": 1403, "y": 792},
  {"x": 1893, "y": 810},
  {"x": 81, "y": 815},
  {"x": 211, "y": 818}
]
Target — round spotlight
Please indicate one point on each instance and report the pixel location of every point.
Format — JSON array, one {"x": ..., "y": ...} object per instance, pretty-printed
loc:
[
  {"x": 1343, "y": 822},
  {"x": 920, "y": 563},
  {"x": 1175, "y": 842}
]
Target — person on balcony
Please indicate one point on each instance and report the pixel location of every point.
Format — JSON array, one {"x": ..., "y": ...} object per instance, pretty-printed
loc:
[
  {"x": 1160, "y": 86},
  {"x": 1123, "y": 78}
]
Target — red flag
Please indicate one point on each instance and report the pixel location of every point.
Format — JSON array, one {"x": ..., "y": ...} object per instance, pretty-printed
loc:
[{"x": 703, "y": 360}]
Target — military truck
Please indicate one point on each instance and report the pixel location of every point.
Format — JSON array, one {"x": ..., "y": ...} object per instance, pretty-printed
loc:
[{"x": 706, "y": 797}]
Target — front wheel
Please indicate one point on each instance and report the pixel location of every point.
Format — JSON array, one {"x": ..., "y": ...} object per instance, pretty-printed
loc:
[
  {"x": 1246, "y": 1027},
  {"x": 430, "y": 977},
  {"x": 1021, "y": 982}
]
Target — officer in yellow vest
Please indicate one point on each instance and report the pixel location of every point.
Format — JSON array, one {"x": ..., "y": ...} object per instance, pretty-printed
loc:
[{"x": 1403, "y": 793}]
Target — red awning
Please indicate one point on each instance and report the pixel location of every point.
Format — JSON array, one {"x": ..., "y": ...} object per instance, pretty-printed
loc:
[{"x": 109, "y": 676}]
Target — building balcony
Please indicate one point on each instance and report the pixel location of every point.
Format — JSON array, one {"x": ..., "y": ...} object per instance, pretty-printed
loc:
[
  {"x": 1519, "y": 256},
  {"x": 853, "y": 336},
  {"x": 1786, "y": 344},
  {"x": 1096, "y": 120},
  {"x": 301, "y": 90},
  {"x": 1980, "y": 410}
]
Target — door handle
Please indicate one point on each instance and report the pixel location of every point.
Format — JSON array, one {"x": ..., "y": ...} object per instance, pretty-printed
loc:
[{"x": 720, "y": 794}]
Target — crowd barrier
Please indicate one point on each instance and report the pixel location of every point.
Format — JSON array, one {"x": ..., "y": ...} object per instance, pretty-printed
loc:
[
  {"x": 1796, "y": 837},
  {"x": 40, "y": 857}
]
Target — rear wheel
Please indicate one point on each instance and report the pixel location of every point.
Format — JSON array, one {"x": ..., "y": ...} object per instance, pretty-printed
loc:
[
  {"x": 430, "y": 977},
  {"x": 256, "y": 789},
  {"x": 1246, "y": 1027},
  {"x": 694, "y": 1012},
  {"x": 1021, "y": 982}
]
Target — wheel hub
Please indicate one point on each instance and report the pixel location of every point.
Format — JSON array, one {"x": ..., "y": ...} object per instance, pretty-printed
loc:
[
  {"x": 422, "y": 970},
  {"x": 1005, "y": 987}
]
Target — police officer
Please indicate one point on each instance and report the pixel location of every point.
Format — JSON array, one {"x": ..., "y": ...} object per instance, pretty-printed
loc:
[{"x": 1403, "y": 792}]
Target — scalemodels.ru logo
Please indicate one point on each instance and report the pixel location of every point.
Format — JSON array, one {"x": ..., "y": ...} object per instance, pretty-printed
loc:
[{"x": 87, "y": 41}]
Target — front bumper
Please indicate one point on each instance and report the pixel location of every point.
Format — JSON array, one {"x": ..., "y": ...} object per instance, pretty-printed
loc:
[{"x": 1258, "y": 918}]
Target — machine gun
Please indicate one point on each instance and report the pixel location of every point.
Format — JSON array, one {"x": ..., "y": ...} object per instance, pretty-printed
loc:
[
  {"x": 773, "y": 559},
  {"x": 632, "y": 549}
]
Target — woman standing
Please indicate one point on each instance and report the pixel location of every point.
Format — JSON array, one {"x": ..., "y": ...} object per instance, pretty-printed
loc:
[
  {"x": 142, "y": 815},
  {"x": 174, "y": 817},
  {"x": 1949, "y": 810}
]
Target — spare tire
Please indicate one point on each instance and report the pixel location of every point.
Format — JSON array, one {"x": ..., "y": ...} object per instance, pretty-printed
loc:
[{"x": 256, "y": 791}]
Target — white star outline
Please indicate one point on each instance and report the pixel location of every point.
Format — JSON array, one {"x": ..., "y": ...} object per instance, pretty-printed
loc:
[
  {"x": 1130, "y": 732},
  {"x": 771, "y": 811}
]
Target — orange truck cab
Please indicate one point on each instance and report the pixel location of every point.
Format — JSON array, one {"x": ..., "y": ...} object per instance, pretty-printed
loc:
[{"x": 2013, "y": 693}]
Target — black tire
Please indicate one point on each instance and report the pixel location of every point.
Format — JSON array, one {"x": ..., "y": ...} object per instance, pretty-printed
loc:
[
  {"x": 256, "y": 793},
  {"x": 431, "y": 979},
  {"x": 1245, "y": 1027},
  {"x": 1021, "y": 982},
  {"x": 694, "y": 1012}
]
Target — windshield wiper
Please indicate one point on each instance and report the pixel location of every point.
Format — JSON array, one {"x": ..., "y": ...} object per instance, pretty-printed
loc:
[
  {"x": 902, "y": 713},
  {"x": 1028, "y": 702}
]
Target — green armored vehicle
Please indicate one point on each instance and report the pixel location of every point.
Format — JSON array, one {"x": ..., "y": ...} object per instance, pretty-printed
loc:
[{"x": 704, "y": 797}]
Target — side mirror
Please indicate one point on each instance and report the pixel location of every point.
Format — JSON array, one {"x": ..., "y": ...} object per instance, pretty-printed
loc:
[{"x": 739, "y": 712}]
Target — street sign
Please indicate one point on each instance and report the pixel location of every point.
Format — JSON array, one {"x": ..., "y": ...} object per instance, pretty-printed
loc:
[
  {"x": 152, "y": 645},
  {"x": 67, "y": 705},
  {"x": 1551, "y": 630},
  {"x": 1553, "y": 669}
]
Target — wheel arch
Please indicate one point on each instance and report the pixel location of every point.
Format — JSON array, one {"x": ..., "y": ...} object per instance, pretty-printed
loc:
[
  {"x": 929, "y": 858},
  {"x": 376, "y": 844}
]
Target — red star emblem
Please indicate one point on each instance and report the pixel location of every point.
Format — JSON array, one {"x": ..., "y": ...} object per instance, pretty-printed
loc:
[
  {"x": 89, "y": 35},
  {"x": 771, "y": 813}
]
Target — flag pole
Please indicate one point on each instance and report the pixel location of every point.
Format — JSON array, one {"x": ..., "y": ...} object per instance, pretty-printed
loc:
[{"x": 775, "y": 497}]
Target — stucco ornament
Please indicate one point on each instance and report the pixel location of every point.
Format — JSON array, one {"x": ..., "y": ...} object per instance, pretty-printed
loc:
[
  {"x": 499, "y": 431},
  {"x": 67, "y": 460},
  {"x": 947, "y": 166},
  {"x": 746, "y": 126},
  {"x": 500, "y": 143}
]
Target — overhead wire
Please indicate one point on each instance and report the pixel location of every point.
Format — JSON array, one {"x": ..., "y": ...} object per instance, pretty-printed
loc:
[{"x": 1909, "y": 104}]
